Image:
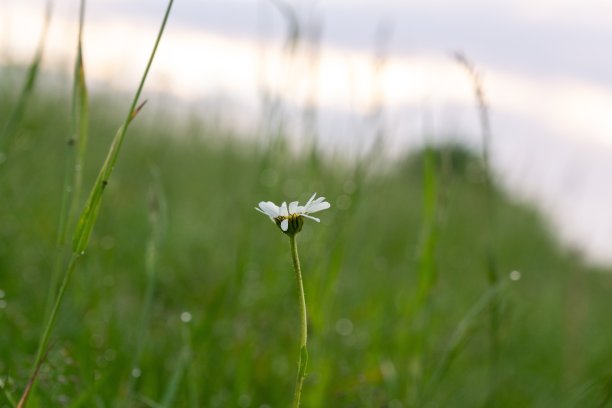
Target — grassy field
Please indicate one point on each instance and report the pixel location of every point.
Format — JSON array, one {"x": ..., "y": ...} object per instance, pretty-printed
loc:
[{"x": 397, "y": 316}]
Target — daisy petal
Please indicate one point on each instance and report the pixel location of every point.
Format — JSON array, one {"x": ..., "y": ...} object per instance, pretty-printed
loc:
[
  {"x": 269, "y": 208},
  {"x": 293, "y": 206},
  {"x": 283, "y": 212},
  {"x": 311, "y": 217},
  {"x": 318, "y": 207},
  {"x": 310, "y": 201},
  {"x": 285, "y": 224}
]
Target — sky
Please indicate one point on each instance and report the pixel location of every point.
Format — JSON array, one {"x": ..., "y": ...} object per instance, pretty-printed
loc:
[{"x": 546, "y": 67}]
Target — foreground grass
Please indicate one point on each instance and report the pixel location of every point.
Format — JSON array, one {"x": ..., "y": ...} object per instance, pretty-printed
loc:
[{"x": 219, "y": 262}]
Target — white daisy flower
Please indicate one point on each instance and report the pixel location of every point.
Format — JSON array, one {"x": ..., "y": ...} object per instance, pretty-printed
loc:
[{"x": 290, "y": 217}]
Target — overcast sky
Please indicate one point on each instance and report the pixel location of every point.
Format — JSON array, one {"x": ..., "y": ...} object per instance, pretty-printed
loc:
[{"x": 541, "y": 37}]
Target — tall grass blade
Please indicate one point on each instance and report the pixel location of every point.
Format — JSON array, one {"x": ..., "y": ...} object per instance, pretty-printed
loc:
[
  {"x": 74, "y": 161},
  {"x": 24, "y": 97},
  {"x": 175, "y": 382},
  {"x": 86, "y": 395},
  {"x": 80, "y": 109},
  {"x": 490, "y": 256},
  {"x": 157, "y": 218},
  {"x": 8, "y": 396},
  {"x": 461, "y": 334},
  {"x": 90, "y": 213},
  {"x": 429, "y": 238},
  {"x": 427, "y": 272}
]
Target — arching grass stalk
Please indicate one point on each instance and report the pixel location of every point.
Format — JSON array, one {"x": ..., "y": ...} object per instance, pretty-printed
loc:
[
  {"x": 89, "y": 214},
  {"x": 290, "y": 219}
]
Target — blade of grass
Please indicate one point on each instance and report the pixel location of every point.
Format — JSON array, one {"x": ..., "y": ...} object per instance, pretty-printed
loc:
[
  {"x": 16, "y": 115},
  {"x": 74, "y": 160},
  {"x": 86, "y": 395},
  {"x": 180, "y": 369},
  {"x": 157, "y": 217},
  {"x": 90, "y": 212},
  {"x": 490, "y": 256},
  {"x": 427, "y": 273},
  {"x": 427, "y": 261},
  {"x": 7, "y": 393},
  {"x": 461, "y": 335},
  {"x": 80, "y": 110},
  {"x": 175, "y": 380},
  {"x": 30, "y": 385}
]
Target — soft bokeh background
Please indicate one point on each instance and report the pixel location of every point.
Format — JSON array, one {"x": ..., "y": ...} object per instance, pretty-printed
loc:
[
  {"x": 363, "y": 102},
  {"x": 544, "y": 64}
]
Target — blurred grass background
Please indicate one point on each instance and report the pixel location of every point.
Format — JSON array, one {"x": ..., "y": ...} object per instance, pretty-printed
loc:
[{"x": 224, "y": 321}]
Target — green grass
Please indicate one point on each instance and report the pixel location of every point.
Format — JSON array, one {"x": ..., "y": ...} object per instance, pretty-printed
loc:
[{"x": 228, "y": 266}]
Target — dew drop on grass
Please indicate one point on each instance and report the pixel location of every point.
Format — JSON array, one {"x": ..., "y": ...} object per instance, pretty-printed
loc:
[
  {"x": 185, "y": 317},
  {"x": 136, "y": 372},
  {"x": 344, "y": 327},
  {"x": 515, "y": 275}
]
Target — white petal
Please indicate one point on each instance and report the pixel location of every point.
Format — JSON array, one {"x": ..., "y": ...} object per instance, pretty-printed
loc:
[
  {"x": 318, "y": 200},
  {"x": 283, "y": 210},
  {"x": 310, "y": 201},
  {"x": 318, "y": 207},
  {"x": 285, "y": 224},
  {"x": 293, "y": 206},
  {"x": 269, "y": 208},
  {"x": 311, "y": 217},
  {"x": 314, "y": 203}
]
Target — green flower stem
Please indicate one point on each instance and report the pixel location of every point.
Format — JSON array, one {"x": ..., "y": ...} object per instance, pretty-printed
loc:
[{"x": 303, "y": 357}]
